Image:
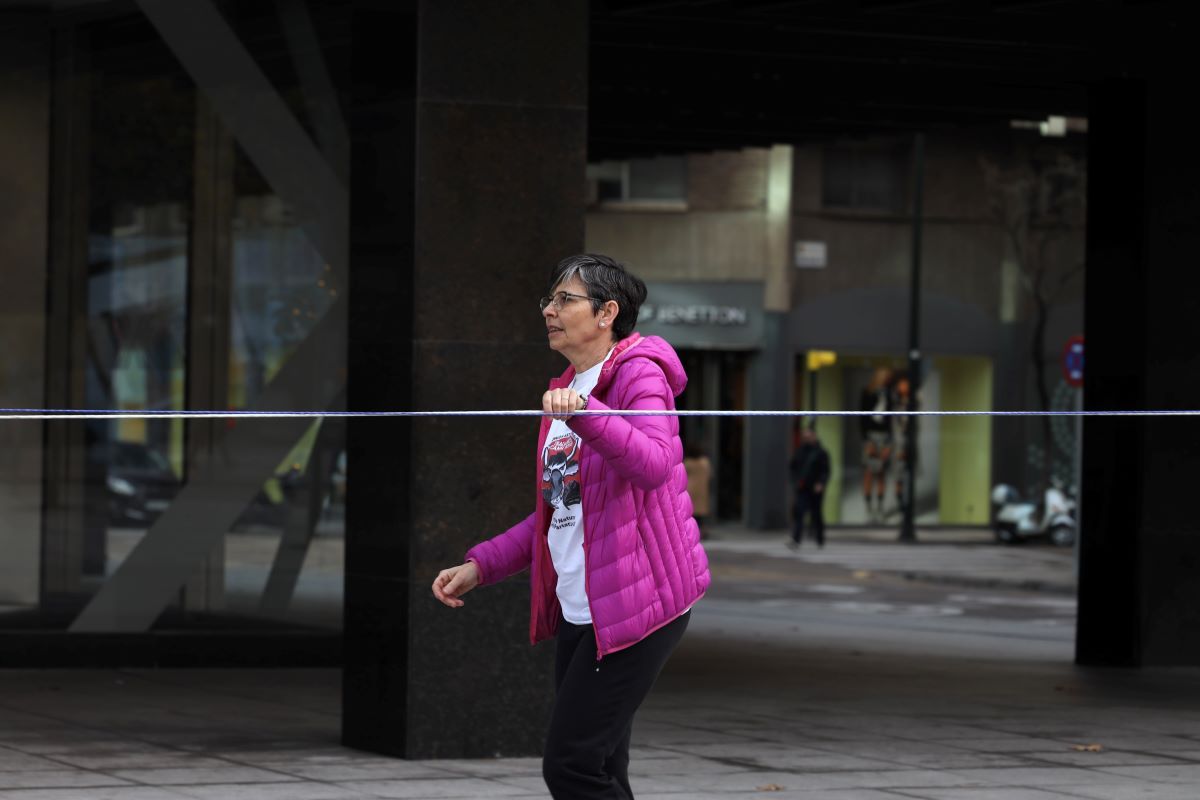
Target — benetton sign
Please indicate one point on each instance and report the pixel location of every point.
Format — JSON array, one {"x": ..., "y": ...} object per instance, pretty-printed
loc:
[
  {"x": 694, "y": 314},
  {"x": 704, "y": 314}
]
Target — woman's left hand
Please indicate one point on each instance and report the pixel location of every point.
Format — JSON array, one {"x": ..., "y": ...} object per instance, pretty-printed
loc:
[{"x": 561, "y": 403}]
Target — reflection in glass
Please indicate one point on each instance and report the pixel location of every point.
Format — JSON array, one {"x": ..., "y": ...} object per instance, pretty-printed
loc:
[
  {"x": 142, "y": 114},
  {"x": 283, "y": 558}
]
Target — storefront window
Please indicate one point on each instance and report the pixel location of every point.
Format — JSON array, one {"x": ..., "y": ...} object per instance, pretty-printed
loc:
[{"x": 868, "y": 453}]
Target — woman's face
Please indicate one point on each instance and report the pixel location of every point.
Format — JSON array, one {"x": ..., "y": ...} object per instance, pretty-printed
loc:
[{"x": 574, "y": 327}]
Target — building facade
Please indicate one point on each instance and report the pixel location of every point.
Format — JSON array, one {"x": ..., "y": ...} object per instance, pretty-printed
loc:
[{"x": 757, "y": 257}]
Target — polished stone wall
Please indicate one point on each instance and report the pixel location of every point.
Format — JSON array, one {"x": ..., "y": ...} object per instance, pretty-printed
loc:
[
  {"x": 469, "y": 130},
  {"x": 1139, "y": 598}
]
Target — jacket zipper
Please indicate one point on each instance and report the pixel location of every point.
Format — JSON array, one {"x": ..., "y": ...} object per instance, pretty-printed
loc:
[
  {"x": 587, "y": 572},
  {"x": 537, "y": 597}
]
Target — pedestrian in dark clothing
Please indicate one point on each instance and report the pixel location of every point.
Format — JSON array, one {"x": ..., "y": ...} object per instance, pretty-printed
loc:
[{"x": 810, "y": 473}]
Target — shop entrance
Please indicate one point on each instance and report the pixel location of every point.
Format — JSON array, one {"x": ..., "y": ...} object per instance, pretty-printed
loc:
[{"x": 717, "y": 380}]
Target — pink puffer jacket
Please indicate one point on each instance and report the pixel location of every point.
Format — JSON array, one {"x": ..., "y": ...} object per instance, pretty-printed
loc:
[{"x": 644, "y": 562}]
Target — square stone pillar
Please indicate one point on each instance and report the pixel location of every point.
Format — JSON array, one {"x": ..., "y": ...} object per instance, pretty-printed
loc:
[
  {"x": 468, "y": 127},
  {"x": 1139, "y": 597}
]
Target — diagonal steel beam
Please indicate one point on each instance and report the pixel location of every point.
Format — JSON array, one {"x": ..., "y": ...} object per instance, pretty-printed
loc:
[
  {"x": 320, "y": 96},
  {"x": 258, "y": 118}
]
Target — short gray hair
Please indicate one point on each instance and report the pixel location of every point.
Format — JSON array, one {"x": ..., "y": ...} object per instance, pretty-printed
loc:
[{"x": 606, "y": 279}]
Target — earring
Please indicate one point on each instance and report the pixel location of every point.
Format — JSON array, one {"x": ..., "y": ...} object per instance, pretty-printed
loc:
[{"x": 602, "y": 324}]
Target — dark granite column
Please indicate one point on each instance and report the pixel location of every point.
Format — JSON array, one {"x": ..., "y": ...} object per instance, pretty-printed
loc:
[
  {"x": 1139, "y": 597},
  {"x": 469, "y": 136}
]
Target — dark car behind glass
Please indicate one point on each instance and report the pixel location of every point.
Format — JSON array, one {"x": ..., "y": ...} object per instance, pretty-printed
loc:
[{"x": 141, "y": 484}]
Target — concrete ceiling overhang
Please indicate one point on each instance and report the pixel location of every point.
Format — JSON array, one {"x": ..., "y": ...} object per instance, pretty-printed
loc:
[
  {"x": 670, "y": 76},
  {"x": 680, "y": 75}
]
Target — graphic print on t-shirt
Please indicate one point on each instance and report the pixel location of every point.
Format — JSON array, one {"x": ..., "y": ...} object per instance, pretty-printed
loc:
[{"x": 560, "y": 471}]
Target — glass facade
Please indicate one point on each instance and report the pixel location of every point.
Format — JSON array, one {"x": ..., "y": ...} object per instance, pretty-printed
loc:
[{"x": 180, "y": 274}]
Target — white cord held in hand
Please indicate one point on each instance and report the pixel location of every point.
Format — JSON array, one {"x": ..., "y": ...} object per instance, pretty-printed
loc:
[{"x": 63, "y": 413}]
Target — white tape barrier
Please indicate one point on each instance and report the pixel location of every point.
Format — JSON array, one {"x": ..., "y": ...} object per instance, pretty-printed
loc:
[{"x": 39, "y": 414}]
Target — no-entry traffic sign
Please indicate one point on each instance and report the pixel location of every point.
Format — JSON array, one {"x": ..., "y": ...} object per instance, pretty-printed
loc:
[{"x": 1072, "y": 361}]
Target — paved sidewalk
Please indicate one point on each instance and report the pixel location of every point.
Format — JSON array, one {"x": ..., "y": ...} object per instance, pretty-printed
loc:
[
  {"x": 756, "y": 702},
  {"x": 725, "y": 723}
]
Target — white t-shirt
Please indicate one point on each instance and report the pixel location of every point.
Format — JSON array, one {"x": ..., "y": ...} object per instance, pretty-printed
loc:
[{"x": 561, "y": 489}]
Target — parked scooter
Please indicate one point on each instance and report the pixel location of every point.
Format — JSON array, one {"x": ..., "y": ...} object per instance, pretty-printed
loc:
[{"x": 1017, "y": 521}]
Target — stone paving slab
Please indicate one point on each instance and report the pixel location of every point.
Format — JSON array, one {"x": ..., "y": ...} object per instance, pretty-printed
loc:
[
  {"x": 268, "y": 791},
  {"x": 95, "y": 793},
  {"x": 1136, "y": 791},
  {"x": 57, "y": 779},
  {"x": 988, "y": 793}
]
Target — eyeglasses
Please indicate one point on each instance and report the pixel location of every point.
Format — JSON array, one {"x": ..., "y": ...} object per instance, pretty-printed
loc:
[{"x": 559, "y": 299}]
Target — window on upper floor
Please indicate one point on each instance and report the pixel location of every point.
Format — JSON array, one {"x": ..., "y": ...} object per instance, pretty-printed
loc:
[
  {"x": 865, "y": 177},
  {"x": 659, "y": 182}
]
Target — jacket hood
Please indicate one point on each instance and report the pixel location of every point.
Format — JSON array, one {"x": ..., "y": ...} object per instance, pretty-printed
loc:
[
  {"x": 654, "y": 348},
  {"x": 633, "y": 346}
]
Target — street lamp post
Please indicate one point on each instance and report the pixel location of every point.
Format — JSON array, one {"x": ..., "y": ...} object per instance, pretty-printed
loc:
[{"x": 908, "y": 529}]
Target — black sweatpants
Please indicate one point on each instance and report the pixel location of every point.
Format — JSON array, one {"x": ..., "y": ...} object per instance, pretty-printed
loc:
[{"x": 587, "y": 746}]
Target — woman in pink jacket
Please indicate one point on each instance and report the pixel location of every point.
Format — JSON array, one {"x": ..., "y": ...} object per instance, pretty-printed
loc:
[{"x": 613, "y": 550}]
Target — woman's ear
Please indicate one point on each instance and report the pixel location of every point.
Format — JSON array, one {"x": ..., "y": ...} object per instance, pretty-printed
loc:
[{"x": 609, "y": 311}]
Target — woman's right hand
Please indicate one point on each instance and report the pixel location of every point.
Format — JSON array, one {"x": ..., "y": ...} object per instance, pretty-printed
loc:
[{"x": 453, "y": 583}]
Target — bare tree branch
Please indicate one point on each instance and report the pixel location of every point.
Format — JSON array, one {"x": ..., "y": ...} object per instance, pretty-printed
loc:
[{"x": 1039, "y": 202}]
